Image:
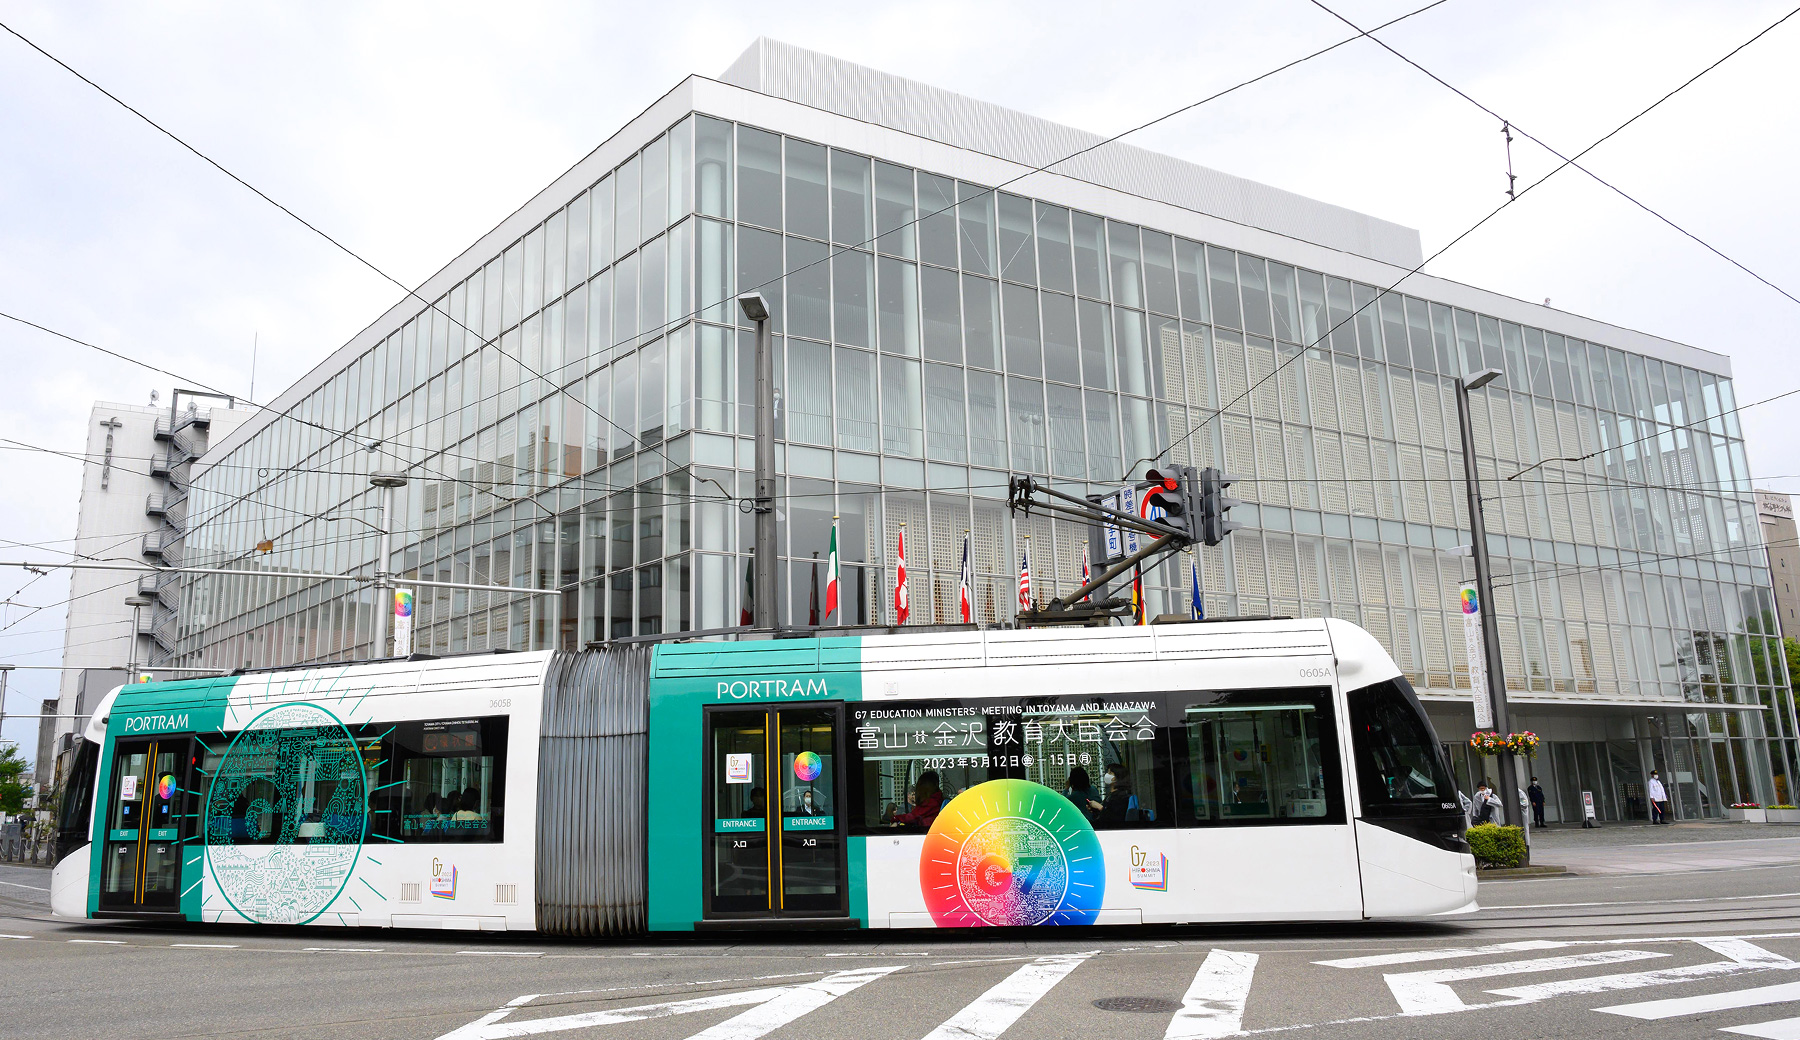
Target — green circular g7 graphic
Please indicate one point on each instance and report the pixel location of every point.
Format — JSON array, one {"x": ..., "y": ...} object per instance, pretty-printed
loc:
[{"x": 287, "y": 811}]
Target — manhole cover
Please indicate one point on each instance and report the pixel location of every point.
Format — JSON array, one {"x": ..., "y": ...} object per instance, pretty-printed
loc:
[{"x": 1143, "y": 1005}]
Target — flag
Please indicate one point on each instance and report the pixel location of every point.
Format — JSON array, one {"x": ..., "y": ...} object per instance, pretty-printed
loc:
[
  {"x": 1196, "y": 607},
  {"x": 744, "y": 615},
  {"x": 902, "y": 607},
  {"x": 812, "y": 607},
  {"x": 1086, "y": 575},
  {"x": 1137, "y": 597},
  {"x": 1025, "y": 576},
  {"x": 965, "y": 588},
  {"x": 831, "y": 577}
]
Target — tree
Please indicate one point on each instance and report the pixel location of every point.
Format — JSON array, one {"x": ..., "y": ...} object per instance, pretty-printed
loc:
[{"x": 14, "y": 788}]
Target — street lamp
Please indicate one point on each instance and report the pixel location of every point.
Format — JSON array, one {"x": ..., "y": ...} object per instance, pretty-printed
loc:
[
  {"x": 4, "y": 670},
  {"x": 137, "y": 604},
  {"x": 384, "y": 578},
  {"x": 1484, "y": 589},
  {"x": 762, "y": 592}
]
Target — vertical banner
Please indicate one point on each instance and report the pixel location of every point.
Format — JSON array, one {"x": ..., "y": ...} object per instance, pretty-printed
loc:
[
  {"x": 1474, "y": 646},
  {"x": 403, "y": 617}
]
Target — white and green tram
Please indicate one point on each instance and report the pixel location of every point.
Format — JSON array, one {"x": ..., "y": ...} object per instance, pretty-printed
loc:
[{"x": 1167, "y": 774}]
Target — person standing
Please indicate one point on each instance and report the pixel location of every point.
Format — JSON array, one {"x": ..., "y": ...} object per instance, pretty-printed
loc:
[
  {"x": 1659, "y": 798},
  {"x": 1484, "y": 804},
  {"x": 1536, "y": 794}
]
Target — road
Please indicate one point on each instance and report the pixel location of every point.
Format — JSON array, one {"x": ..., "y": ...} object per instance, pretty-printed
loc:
[{"x": 1677, "y": 932}]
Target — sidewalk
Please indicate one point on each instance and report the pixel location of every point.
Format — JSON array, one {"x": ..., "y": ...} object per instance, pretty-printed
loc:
[{"x": 1639, "y": 848}]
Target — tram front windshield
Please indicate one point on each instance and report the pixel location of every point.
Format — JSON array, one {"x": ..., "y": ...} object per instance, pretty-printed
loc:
[
  {"x": 72, "y": 825},
  {"x": 1400, "y": 767}
]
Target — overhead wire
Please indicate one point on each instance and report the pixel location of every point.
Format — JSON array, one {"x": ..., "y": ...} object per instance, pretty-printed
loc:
[
  {"x": 1497, "y": 210},
  {"x": 1513, "y": 124}
]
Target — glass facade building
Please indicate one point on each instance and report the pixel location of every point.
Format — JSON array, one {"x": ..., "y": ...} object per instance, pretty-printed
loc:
[{"x": 573, "y": 409}]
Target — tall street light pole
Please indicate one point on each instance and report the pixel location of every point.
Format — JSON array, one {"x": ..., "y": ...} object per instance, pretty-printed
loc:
[
  {"x": 137, "y": 604},
  {"x": 762, "y": 612},
  {"x": 384, "y": 554},
  {"x": 1484, "y": 588}
]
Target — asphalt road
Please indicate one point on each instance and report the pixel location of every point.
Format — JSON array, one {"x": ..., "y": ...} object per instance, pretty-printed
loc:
[{"x": 1679, "y": 932}]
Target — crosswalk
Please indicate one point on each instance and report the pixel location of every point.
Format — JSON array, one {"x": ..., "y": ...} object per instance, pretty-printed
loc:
[
  {"x": 1429, "y": 991},
  {"x": 1742, "y": 978}
]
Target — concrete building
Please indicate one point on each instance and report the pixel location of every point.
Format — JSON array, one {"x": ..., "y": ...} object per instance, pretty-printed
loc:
[
  {"x": 134, "y": 495},
  {"x": 1775, "y": 512},
  {"x": 957, "y": 300}
]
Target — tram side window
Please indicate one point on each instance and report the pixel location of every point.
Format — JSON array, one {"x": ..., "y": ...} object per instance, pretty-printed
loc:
[
  {"x": 911, "y": 761},
  {"x": 1102, "y": 755},
  {"x": 452, "y": 777},
  {"x": 1400, "y": 767},
  {"x": 1261, "y": 757}
]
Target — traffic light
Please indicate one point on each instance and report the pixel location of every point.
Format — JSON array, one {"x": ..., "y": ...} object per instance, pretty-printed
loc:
[
  {"x": 1176, "y": 492},
  {"x": 1213, "y": 527}
]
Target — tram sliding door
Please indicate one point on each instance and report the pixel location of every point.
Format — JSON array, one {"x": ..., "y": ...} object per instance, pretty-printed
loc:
[
  {"x": 775, "y": 840},
  {"x": 141, "y": 871}
]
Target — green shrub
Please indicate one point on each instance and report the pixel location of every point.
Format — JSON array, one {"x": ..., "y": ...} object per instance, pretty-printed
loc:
[{"x": 1497, "y": 846}]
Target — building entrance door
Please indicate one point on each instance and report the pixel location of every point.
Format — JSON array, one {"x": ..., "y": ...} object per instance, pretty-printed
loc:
[{"x": 774, "y": 830}]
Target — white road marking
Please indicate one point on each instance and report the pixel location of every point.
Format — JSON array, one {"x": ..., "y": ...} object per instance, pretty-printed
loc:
[
  {"x": 101, "y": 942},
  {"x": 995, "y": 1011},
  {"x": 201, "y": 946},
  {"x": 1780, "y": 1029},
  {"x": 5, "y": 936},
  {"x": 341, "y": 949},
  {"x": 15, "y": 884},
  {"x": 499, "y": 953},
  {"x": 1427, "y": 992},
  {"x": 1742, "y": 957},
  {"x": 791, "y": 1004},
  {"x": 1415, "y": 956},
  {"x": 1214, "y": 1003},
  {"x": 1651, "y": 1010},
  {"x": 779, "y": 1006}
]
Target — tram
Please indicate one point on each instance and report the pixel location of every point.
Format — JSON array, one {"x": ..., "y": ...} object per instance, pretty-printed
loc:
[{"x": 1166, "y": 774}]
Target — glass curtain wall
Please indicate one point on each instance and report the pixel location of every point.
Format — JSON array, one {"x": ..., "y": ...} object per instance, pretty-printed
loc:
[{"x": 575, "y": 415}]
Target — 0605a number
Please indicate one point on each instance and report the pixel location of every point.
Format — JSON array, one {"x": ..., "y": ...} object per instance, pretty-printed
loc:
[
  {"x": 1315, "y": 673},
  {"x": 500, "y": 702}
]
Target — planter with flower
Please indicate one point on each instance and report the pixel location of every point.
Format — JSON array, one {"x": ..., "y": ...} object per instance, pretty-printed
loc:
[
  {"x": 1783, "y": 813},
  {"x": 1524, "y": 743},
  {"x": 1748, "y": 812},
  {"x": 1487, "y": 742}
]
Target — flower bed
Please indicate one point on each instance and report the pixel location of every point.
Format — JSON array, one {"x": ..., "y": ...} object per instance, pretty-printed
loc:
[{"x": 1748, "y": 812}]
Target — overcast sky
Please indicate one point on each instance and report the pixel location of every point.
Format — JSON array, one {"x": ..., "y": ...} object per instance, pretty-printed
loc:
[{"x": 407, "y": 130}]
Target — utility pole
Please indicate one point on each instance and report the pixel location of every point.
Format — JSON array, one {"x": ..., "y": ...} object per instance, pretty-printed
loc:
[
  {"x": 384, "y": 554},
  {"x": 762, "y": 613},
  {"x": 1484, "y": 586}
]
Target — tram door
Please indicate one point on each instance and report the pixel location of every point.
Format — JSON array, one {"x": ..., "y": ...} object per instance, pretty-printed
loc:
[
  {"x": 145, "y": 823},
  {"x": 775, "y": 835}
]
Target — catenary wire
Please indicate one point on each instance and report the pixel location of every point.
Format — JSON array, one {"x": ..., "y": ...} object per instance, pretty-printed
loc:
[
  {"x": 493, "y": 341},
  {"x": 1709, "y": 247},
  {"x": 1383, "y": 293}
]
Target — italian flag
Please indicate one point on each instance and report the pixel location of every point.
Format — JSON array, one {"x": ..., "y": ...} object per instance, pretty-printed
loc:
[{"x": 831, "y": 576}]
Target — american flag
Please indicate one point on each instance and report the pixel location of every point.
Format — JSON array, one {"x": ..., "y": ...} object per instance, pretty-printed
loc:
[{"x": 1025, "y": 576}]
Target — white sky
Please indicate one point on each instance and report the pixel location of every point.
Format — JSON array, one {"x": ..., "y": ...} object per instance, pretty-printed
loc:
[{"x": 407, "y": 130}]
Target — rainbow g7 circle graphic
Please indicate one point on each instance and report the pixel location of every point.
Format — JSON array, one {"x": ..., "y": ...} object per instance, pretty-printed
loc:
[
  {"x": 1011, "y": 852},
  {"x": 165, "y": 788},
  {"x": 1470, "y": 604},
  {"x": 807, "y": 766}
]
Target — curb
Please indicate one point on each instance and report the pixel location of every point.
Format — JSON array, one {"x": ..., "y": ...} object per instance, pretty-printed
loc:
[{"x": 1545, "y": 870}]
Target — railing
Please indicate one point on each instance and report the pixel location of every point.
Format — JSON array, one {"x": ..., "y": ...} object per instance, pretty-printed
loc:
[
  {"x": 159, "y": 464},
  {"x": 156, "y": 505},
  {"x": 153, "y": 544},
  {"x": 147, "y": 585}
]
